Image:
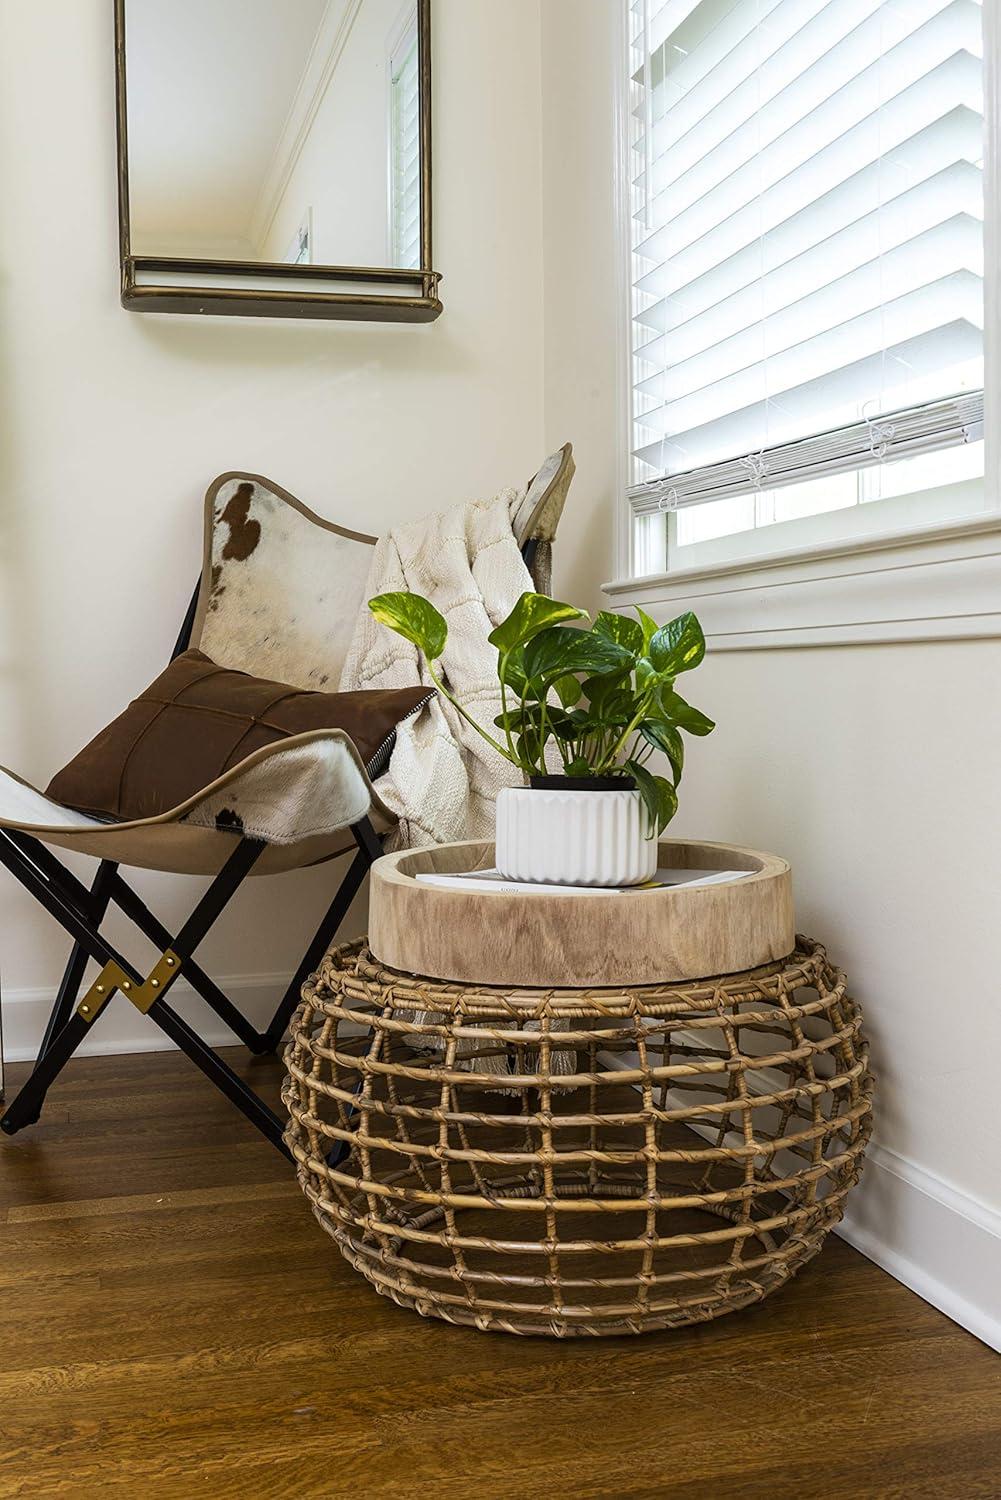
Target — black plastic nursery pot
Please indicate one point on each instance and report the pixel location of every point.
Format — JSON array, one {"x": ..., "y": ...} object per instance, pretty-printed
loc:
[{"x": 582, "y": 783}]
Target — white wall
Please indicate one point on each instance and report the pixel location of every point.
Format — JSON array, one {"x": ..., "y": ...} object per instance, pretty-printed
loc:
[
  {"x": 579, "y": 274},
  {"x": 874, "y": 769},
  {"x": 112, "y": 423}
]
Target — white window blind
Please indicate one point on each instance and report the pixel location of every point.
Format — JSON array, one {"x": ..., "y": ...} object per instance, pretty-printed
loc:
[
  {"x": 405, "y": 152},
  {"x": 807, "y": 212}
]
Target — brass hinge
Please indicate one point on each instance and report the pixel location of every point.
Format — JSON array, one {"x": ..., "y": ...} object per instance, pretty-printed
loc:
[{"x": 113, "y": 977}]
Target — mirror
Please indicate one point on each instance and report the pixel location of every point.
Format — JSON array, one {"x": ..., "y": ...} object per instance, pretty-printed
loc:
[{"x": 275, "y": 157}]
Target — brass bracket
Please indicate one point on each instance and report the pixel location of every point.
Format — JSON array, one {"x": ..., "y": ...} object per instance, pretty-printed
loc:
[{"x": 113, "y": 977}]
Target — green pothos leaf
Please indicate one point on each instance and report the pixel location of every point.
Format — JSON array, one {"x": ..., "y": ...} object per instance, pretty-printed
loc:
[
  {"x": 677, "y": 711},
  {"x": 415, "y": 618},
  {"x": 665, "y": 737},
  {"x": 659, "y": 797},
  {"x": 561, "y": 650},
  {"x": 568, "y": 690},
  {"x": 678, "y": 646},
  {"x": 621, "y": 629},
  {"x": 531, "y": 614}
]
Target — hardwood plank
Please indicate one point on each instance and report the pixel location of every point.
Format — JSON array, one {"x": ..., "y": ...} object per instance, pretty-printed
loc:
[{"x": 175, "y": 1323}]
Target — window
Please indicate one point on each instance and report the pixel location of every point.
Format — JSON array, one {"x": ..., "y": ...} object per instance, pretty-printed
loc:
[
  {"x": 807, "y": 268},
  {"x": 299, "y": 252},
  {"x": 405, "y": 149}
]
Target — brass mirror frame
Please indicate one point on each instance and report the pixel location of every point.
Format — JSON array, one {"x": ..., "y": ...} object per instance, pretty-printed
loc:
[{"x": 368, "y": 303}]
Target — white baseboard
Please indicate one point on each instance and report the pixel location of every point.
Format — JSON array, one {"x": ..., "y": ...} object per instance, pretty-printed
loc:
[
  {"x": 940, "y": 1242},
  {"x": 122, "y": 1029}
]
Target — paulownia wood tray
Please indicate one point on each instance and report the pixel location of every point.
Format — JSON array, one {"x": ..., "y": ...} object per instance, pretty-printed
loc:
[{"x": 492, "y": 936}]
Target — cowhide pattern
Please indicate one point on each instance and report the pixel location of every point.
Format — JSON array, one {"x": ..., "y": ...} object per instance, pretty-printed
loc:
[
  {"x": 291, "y": 794},
  {"x": 284, "y": 592}
]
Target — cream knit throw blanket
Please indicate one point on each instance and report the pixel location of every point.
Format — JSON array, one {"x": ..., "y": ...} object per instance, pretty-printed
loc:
[{"x": 443, "y": 779}]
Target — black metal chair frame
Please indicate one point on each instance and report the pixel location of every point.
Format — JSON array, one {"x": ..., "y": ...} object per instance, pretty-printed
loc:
[{"x": 81, "y": 912}]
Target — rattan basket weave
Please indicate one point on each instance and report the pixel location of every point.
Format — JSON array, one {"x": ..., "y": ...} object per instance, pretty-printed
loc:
[{"x": 578, "y": 1162}]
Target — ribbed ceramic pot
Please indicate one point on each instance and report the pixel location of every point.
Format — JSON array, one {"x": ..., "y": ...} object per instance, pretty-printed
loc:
[{"x": 562, "y": 831}]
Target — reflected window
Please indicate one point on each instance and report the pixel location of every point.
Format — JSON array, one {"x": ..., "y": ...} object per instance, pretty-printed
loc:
[
  {"x": 299, "y": 252},
  {"x": 404, "y": 148}
]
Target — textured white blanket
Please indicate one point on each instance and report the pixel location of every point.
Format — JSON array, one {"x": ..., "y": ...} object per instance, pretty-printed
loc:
[{"x": 443, "y": 779}]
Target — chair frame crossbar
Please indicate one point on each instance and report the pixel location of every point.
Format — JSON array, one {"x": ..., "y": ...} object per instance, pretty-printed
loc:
[{"x": 82, "y": 910}]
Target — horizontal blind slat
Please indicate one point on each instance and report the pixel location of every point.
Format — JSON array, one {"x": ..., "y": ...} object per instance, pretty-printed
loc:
[
  {"x": 922, "y": 310},
  {"x": 808, "y": 63},
  {"x": 686, "y": 55},
  {"x": 706, "y": 350},
  {"x": 949, "y": 146},
  {"x": 715, "y": 187}
]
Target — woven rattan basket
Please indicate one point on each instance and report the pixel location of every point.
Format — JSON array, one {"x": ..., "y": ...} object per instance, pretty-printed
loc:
[{"x": 578, "y": 1162}]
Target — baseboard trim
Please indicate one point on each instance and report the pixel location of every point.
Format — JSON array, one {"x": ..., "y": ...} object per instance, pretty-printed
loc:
[
  {"x": 940, "y": 1242},
  {"x": 122, "y": 1029}
]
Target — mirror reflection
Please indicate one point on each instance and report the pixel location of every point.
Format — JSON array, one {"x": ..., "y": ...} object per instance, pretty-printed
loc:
[{"x": 274, "y": 131}]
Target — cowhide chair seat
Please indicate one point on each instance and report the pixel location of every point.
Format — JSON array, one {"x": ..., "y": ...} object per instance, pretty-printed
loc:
[{"x": 279, "y": 593}]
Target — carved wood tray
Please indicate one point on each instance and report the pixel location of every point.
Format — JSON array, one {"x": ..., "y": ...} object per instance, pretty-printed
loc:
[{"x": 602, "y": 939}]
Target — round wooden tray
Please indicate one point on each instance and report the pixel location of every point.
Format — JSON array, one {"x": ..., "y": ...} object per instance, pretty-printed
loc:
[{"x": 553, "y": 940}]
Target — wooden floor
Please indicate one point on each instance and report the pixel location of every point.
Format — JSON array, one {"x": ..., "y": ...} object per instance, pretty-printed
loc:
[{"x": 174, "y": 1323}]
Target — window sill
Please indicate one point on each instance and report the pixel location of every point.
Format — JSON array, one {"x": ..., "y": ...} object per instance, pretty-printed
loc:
[{"x": 937, "y": 583}]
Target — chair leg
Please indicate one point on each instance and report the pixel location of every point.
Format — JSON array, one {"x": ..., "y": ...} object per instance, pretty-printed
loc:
[
  {"x": 69, "y": 987},
  {"x": 69, "y": 902},
  {"x": 137, "y": 911},
  {"x": 27, "y": 1106},
  {"x": 366, "y": 838},
  {"x": 335, "y": 914},
  {"x": 72, "y": 906},
  {"x": 221, "y": 1074},
  {"x": 216, "y": 898},
  {"x": 80, "y": 912}
]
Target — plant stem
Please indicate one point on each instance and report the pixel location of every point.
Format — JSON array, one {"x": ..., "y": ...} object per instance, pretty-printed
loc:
[
  {"x": 469, "y": 718},
  {"x": 501, "y": 673},
  {"x": 630, "y": 728},
  {"x": 542, "y": 739}
]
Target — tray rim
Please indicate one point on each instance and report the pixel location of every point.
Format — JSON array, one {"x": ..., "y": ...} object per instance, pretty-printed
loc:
[
  {"x": 388, "y": 869},
  {"x": 596, "y": 939}
]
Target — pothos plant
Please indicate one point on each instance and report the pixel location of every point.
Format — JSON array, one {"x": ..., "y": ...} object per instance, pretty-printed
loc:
[{"x": 602, "y": 692}]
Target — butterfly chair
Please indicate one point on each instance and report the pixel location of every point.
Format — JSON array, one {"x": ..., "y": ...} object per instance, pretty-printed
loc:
[{"x": 278, "y": 596}]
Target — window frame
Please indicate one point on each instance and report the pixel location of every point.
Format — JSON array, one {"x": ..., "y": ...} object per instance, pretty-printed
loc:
[{"x": 792, "y": 541}]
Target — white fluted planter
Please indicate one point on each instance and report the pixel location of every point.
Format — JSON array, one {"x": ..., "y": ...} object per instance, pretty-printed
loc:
[{"x": 568, "y": 837}]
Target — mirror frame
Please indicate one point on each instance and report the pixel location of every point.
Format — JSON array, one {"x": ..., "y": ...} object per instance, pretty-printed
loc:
[{"x": 365, "y": 298}]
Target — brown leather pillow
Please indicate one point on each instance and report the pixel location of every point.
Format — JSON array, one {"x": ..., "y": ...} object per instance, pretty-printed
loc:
[{"x": 197, "y": 720}]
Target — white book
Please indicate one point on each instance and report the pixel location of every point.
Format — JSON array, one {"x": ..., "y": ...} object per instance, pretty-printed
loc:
[{"x": 471, "y": 879}]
